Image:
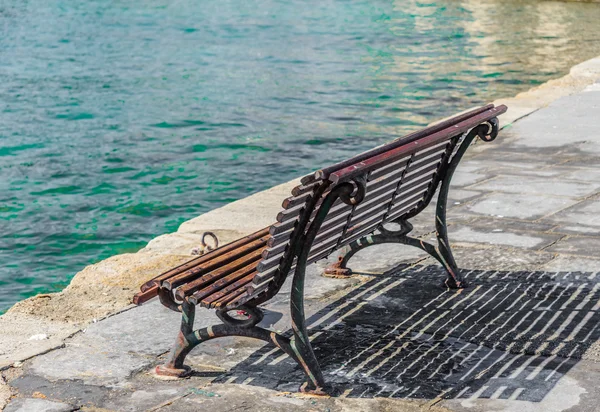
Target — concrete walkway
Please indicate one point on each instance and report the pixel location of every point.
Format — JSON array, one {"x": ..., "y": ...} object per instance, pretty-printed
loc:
[{"x": 523, "y": 337}]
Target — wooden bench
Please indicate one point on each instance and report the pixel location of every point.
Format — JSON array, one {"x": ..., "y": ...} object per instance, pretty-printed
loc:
[{"x": 343, "y": 206}]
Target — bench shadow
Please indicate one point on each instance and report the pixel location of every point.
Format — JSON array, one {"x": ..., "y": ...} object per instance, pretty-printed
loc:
[{"x": 510, "y": 335}]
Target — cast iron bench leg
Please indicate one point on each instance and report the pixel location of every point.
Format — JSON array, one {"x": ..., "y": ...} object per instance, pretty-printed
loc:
[
  {"x": 443, "y": 253},
  {"x": 188, "y": 339},
  {"x": 300, "y": 341},
  {"x": 446, "y": 258},
  {"x": 183, "y": 345}
]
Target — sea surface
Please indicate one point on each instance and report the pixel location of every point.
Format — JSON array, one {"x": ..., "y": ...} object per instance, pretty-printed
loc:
[{"x": 119, "y": 120}]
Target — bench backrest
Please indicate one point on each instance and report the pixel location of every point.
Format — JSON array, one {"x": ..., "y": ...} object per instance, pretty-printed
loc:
[{"x": 401, "y": 178}]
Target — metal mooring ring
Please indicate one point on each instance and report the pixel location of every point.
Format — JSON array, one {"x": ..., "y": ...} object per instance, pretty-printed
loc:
[
  {"x": 255, "y": 315},
  {"x": 204, "y": 247},
  {"x": 214, "y": 238}
]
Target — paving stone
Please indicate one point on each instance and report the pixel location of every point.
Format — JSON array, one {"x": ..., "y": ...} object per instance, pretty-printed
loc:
[
  {"x": 576, "y": 229},
  {"x": 471, "y": 235},
  {"x": 389, "y": 341},
  {"x": 499, "y": 258},
  {"x": 542, "y": 170},
  {"x": 579, "y": 245},
  {"x": 581, "y": 174},
  {"x": 462, "y": 178},
  {"x": 72, "y": 392},
  {"x": 112, "y": 350},
  {"x": 148, "y": 398},
  {"x": 564, "y": 122},
  {"x": 584, "y": 217},
  {"x": 90, "y": 364},
  {"x": 572, "y": 263},
  {"x": 38, "y": 405},
  {"x": 381, "y": 258},
  {"x": 537, "y": 185},
  {"x": 316, "y": 286},
  {"x": 520, "y": 206},
  {"x": 504, "y": 224},
  {"x": 472, "y": 165},
  {"x": 461, "y": 195},
  {"x": 506, "y": 154},
  {"x": 149, "y": 329}
]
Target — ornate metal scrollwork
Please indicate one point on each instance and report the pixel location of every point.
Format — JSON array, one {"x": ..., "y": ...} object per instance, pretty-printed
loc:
[
  {"x": 254, "y": 314},
  {"x": 359, "y": 192},
  {"x": 492, "y": 132},
  {"x": 405, "y": 228},
  {"x": 166, "y": 298}
]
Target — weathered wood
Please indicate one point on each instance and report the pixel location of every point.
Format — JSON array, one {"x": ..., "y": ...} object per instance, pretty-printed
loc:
[
  {"x": 405, "y": 140},
  {"x": 152, "y": 283},
  {"x": 386, "y": 157},
  {"x": 218, "y": 271}
]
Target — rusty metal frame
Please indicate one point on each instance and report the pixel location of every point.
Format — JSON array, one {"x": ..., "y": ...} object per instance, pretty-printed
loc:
[{"x": 443, "y": 252}]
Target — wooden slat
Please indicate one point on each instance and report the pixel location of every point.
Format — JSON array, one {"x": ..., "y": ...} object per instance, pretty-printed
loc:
[
  {"x": 264, "y": 276},
  {"x": 259, "y": 281},
  {"x": 296, "y": 200},
  {"x": 205, "y": 258},
  {"x": 218, "y": 273},
  {"x": 328, "y": 245},
  {"x": 385, "y": 180},
  {"x": 255, "y": 291},
  {"x": 302, "y": 189},
  {"x": 399, "y": 164},
  {"x": 269, "y": 263},
  {"x": 368, "y": 213},
  {"x": 238, "y": 301},
  {"x": 279, "y": 228},
  {"x": 409, "y": 187},
  {"x": 240, "y": 283},
  {"x": 438, "y": 149},
  {"x": 390, "y": 156},
  {"x": 277, "y": 239},
  {"x": 401, "y": 208},
  {"x": 191, "y": 274},
  {"x": 308, "y": 179},
  {"x": 222, "y": 283},
  {"x": 423, "y": 169},
  {"x": 399, "y": 213},
  {"x": 289, "y": 214},
  {"x": 227, "y": 298},
  {"x": 384, "y": 196},
  {"x": 143, "y": 297},
  {"x": 487, "y": 111},
  {"x": 332, "y": 240},
  {"x": 413, "y": 195},
  {"x": 382, "y": 193}
]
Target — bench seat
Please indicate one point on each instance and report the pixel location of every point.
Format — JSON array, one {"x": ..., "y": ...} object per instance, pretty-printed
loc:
[{"x": 217, "y": 279}]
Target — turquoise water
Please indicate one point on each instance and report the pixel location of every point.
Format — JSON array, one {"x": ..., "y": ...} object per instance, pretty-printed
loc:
[{"x": 120, "y": 120}]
